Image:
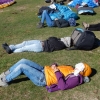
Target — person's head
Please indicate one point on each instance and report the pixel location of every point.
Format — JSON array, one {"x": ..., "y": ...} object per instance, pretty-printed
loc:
[
  {"x": 82, "y": 68},
  {"x": 47, "y": 1},
  {"x": 66, "y": 41},
  {"x": 54, "y": 64}
]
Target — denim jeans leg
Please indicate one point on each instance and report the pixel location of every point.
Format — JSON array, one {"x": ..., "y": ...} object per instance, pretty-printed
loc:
[
  {"x": 27, "y": 62},
  {"x": 45, "y": 16},
  {"x": 35, "y": 75},
  {"x": 31, "y": 45}
]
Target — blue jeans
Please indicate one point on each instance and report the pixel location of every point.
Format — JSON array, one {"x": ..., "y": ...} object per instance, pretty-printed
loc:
[
  {"x": 31, "y": 69},
  {"x": 31, "y": 45},
  {"x": 46, "y": 17}
]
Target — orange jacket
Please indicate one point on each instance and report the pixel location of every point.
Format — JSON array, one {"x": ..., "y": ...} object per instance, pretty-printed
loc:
[{"x": 50, "y": 75}]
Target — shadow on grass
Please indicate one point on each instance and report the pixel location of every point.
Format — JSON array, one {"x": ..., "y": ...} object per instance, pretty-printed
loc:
[
  {"x": 19, "y": 80},
  {"x": 77, "y": 24},
  {"x": 97, "y": 43},
  {"x": 93, "y": 72}
]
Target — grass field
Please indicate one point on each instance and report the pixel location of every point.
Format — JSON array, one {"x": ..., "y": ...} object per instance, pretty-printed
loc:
[{"x": 18, "y": 23}]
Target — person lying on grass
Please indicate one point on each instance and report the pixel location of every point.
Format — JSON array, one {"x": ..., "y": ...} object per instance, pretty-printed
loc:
[
  {"x": 54, "y": 77},
  {"x": 49, "y": 45},
  {"x": 91, "y": 27},
  {"x": 56, "y": 22},
  {"x": 51, "y": 23}
]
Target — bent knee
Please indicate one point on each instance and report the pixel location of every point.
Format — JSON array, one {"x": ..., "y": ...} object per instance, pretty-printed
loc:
[
  {"x": 44, "y": 11},
  {"x": 23, "y": 60}
]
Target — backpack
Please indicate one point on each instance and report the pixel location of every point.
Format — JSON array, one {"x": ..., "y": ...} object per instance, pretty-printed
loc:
[
  {"x": 82, "y": 39},
  {"x": 72, "y": 22}
]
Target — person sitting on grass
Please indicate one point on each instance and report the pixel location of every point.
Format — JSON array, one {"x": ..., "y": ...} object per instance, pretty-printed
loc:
[
  {"x": 91, "y": 27},
  {"x": 49, "y": 45},
  {"x": 53, "y": 23},
  {"x": 54, "y": 77}
]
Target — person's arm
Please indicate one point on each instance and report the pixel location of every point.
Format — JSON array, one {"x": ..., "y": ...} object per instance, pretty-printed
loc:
[
  {"x": 63, "y": 84},
  {"x": 68, "y": 83},
  {"x": 55, "y": 87},
  {"x": 52, "y": 88},
  {"x": 60, "y": 78}
]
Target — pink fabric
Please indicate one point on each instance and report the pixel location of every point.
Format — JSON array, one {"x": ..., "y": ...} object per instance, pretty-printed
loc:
[{"x": 96, "y": 1}]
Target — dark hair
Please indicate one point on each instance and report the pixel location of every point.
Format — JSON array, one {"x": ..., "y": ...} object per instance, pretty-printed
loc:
[
  {"x": 55, "y": 64},
  {"x": 47, "y": 1}
]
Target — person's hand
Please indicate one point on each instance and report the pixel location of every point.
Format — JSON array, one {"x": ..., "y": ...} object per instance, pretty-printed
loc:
[{"x": 54, "y": 67}]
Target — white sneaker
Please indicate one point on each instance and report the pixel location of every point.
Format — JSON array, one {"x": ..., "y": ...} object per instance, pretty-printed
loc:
[
  {"x": 4, "y": 84},
  {"x": 2, "y": 75}
]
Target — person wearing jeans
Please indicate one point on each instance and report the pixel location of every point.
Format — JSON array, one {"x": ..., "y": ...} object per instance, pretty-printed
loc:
[
  {"x": 45, "y": 16},
  {"x": 32, "y": 70},
  {"x": 54, "y": 77},
  {"x": 52, "y": 23},
  {"x": 31, "y": 45},
  {"x": 49, "y": 45}
]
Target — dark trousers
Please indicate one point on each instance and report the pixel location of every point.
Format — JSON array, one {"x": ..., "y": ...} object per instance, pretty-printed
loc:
[{"x": 94, "y": 27}]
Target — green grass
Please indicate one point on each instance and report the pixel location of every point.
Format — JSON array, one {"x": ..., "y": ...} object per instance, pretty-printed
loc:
[{"x": 18, "y": 23}]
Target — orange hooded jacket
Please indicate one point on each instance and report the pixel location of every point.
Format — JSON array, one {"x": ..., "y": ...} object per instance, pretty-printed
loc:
[{"x": 50, "y": 75}]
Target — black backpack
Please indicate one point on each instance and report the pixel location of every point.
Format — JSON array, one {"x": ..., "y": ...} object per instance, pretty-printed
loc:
[{"x": 82, "y": 39}]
